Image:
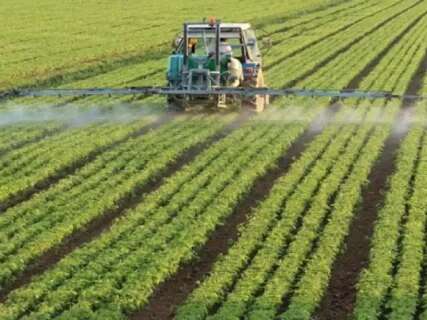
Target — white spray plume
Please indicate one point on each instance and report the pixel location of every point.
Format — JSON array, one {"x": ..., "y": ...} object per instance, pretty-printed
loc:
[{"x": 73, "y": 115}]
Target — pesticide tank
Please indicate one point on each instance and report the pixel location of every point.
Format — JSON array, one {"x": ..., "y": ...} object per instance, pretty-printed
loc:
[{"x": 176, "y": 62}]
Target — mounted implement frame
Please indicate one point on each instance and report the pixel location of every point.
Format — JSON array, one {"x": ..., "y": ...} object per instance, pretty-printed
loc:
[{"x": 243, "y": 92}]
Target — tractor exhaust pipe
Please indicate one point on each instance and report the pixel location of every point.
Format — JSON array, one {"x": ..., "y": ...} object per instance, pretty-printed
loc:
[
  {"x": 218, "y": 44},
  {"x": 185, "y": 62}
]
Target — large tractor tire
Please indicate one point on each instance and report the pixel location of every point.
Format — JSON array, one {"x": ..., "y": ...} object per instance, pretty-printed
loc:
[{"x": 175, "y": 104}]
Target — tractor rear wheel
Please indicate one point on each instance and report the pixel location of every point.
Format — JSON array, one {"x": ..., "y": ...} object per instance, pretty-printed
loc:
[{"x": 258, "y": 102}]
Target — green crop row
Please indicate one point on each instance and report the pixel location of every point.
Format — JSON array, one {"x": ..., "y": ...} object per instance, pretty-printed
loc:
[
  {"x": 311, "y": 17},
  {"x": 362, "y": 53},
  {"x": 162, "y": 196},
  {"x": 292, "y": 262},
  {"x": 321, "y": 18},
  {"x": 403, "y": 59},
  {"x": 294, "y": 189},
  {"x": 72, "y": 40},
  {"x": 243, "y": 290},
  {"x": 375, "y": 293},
  {"x": 184, "y": 210},
  {"x": 23, "y": 168},
  {"x": 135, "y": 75},
  {"x": 377, "y": 278},
  {"x": 286, "y": 50},
  {"x": 312, "y": 283},
  {"x": 406, "y": 283},
  {"x": 292, "y": 68},
  {"x": 37, "y": 225},
  {"x": 348, "y": 65},
  {"x": 171, "y": 240},
  {"x": 298, "y": 33},
  {"x": 16, "y": 135}
]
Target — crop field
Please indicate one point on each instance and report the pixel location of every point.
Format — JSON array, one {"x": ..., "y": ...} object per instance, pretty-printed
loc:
[{"x": 112, "y": 207}]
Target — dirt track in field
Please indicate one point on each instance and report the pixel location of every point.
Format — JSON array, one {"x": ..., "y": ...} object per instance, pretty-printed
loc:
[
  {"x": 416, "y": 83},
  {"x": 339, "y": 300},
  {"x": 174, "y": 291}
]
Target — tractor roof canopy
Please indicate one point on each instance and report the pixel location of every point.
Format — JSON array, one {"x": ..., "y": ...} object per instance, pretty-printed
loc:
[
  {"x": 228, "y": 30},
  {"x": 241, "y": 26}
]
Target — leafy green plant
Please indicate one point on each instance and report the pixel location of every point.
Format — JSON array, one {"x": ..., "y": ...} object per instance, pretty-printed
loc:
[{"x": 30, "y": 229}]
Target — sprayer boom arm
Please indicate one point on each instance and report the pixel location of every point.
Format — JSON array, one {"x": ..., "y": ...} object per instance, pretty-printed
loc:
[{"x": 246, "y": 92}]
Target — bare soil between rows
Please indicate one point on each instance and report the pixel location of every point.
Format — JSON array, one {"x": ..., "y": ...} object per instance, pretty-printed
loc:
[
  {"x": 104, "y": 222},
  {"x": 174, "y": 291},
  {"x": 339, "y": 300}
]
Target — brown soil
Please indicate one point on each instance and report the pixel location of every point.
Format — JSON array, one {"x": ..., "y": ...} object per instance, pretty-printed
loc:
[
  {"x": 174, "y": 291},
  {"x": 5, "y": 95},
  {"x": 338, "y": 301},
  {"x": 416, "y": 83},
  {"x": 103, "y": 223}
]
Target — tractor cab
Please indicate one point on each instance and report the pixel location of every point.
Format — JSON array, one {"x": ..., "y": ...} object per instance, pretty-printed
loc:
[{"x": 214, "y": 55}]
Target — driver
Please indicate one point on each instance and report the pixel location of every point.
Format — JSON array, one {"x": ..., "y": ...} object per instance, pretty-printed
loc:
[
  {"x": 192, "y": 45},
  {"x": 232, "y": 65}
]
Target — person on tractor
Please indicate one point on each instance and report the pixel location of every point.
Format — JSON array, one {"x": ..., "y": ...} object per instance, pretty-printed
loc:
[
  {"x": 230, "y": 66},
  {"x": 192, "y": 45}
]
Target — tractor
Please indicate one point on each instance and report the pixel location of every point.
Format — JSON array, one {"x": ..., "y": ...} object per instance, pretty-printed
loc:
[{"x": 211, "y": 55}]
